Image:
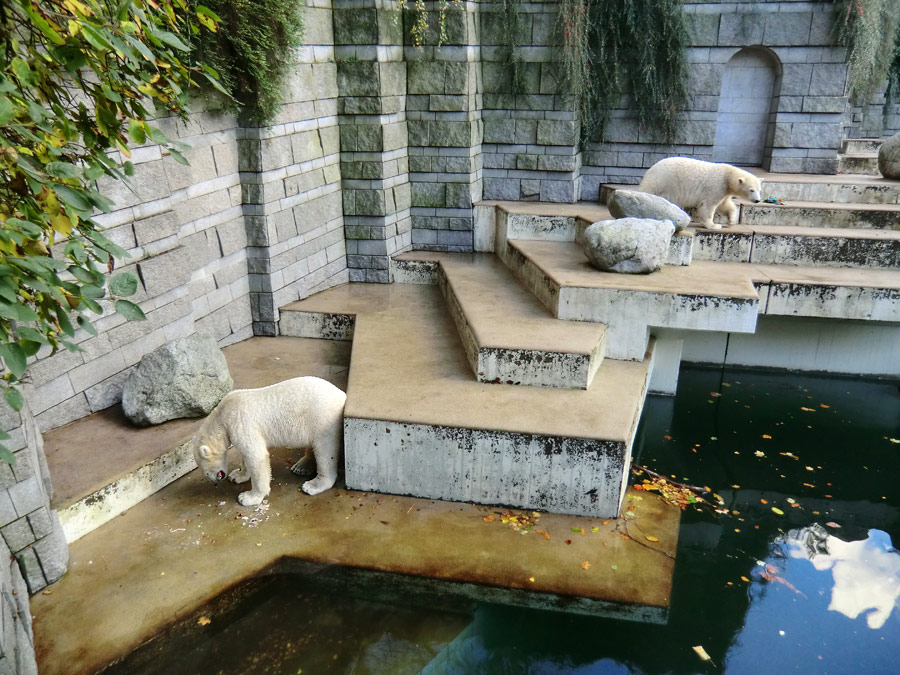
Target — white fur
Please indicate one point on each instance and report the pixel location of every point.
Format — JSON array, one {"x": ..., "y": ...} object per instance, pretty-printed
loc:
[
  {"x": 304, "y": 412},
  {"x": 703, "y": 187}
]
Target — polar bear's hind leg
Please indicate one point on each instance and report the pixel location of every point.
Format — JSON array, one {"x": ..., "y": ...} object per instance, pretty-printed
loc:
[{"x": 327, "y": 453}]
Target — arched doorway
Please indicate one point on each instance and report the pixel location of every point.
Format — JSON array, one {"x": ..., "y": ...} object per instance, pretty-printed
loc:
[{"x": 746, "y": 112}]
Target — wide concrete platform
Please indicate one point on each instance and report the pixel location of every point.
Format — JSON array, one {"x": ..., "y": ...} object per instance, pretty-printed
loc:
[{"x": 163, "y": 558}]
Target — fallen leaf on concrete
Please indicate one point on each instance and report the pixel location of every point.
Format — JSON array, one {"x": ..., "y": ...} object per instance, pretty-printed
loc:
[
  {"x": 545, "y": 535},
  {"x": 701, "y": 653},
  {"x": 489, "y": 519},
  {"x": 203, "y": 621},
  {"x": 585, "y": 565},
  {"x": 650, "y": 537}
]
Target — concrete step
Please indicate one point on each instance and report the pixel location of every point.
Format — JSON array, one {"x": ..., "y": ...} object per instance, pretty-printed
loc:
[
  {"x": 844, "y": 188},
  {"x": 860, "y": 146},
  {"x": 816, "y": 214},
  {"x": 507, "y": 334},
  {"x": 859, "y": 164},
  {"x": 103, "y": 465},
  {"x": 694, "y": 297},
  {"x": 418, "y": 423},
  {"x": 803, "y": 246}
]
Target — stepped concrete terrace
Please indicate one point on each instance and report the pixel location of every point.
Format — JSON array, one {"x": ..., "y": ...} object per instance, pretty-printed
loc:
[{"x": 418, "y": 422}]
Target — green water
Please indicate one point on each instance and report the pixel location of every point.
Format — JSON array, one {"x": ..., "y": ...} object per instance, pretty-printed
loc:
[{"x": 809, "y": 587}]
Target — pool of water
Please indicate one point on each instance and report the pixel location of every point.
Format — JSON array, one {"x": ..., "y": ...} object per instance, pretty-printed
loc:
[{"x": 800, "y": 576}]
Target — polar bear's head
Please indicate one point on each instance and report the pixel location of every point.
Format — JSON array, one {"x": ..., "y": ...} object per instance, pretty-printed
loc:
[
  {"x": 745, "y": 184},
  {"x": 211, "y": 455}
]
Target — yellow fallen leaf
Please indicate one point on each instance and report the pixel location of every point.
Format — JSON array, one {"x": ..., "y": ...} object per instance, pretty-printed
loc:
[
  {"x": 650, "y": 537},
  {"x": 701, "y": 653},
  {"x": 808, "y": 409},
  {"x": 777, "y": 511},
  {"x": 743, "y": 578},
  {"x": 488, "y": 519},
  {"x": 759, "y": 453},
  {"x": 585, "y": 565},
  {"x": 203, "y": 621},
  {"x": 766, "y": 436},
  {"x": 531, "y": 579}
]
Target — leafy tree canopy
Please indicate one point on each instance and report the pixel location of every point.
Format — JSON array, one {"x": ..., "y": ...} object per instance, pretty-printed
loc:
[{"x": 78, "y": 80}]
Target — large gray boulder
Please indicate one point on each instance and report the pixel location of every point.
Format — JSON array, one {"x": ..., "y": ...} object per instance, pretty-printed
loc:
[
  {"x": 184, "y": 378},
  {"x": 889, "y": 157},
  {"x": 628, "y": 245},
  {"x": 634, "y": 204}
]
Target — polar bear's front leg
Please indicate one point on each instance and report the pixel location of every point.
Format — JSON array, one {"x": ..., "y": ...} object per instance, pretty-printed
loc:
[
  {"x": 239, "y": 475},
  {"x": 306, "y": 465},
  {"x": 256, "y": 462}
]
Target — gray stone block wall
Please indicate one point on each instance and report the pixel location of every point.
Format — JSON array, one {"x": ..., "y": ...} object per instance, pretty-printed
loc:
[
  {"x": 531, "y": 133},
  {"x": 29, "y": 528},
  {"x": 444, "y": 121},
  {"x": 374, "y": 158},
  {"x": 807, "y": 118}
]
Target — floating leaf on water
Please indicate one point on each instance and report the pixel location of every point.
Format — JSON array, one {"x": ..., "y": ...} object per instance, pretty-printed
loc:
[
  {"x": 791, "y": 500},
  {"x": 809, "y": 468},
  {"x": 701, "y": 653},
  {"x": 759, "y": 453},
  {"x": 743, "y": 578},
  {"x": 715, "y": 394},
  {"x": 777, "y": 511},
  {"x": 203, "y": 621},
  {"x": 763, "y": 501},
  {"x": 833, "y": 524},
  {"x": 894, "y": 440},
  {"x": 736, "y": 486},
  {"x": 822, "y": 405},
  {"x": 808, "y": 409},
  {"x": 766, "y": 436}
]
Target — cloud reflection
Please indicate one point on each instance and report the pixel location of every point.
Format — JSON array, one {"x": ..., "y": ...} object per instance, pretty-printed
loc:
[{"x": 866, "y": 572}]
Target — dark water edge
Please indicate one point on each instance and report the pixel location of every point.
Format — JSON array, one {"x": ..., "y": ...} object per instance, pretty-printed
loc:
[{"x": 800, "y": 577}]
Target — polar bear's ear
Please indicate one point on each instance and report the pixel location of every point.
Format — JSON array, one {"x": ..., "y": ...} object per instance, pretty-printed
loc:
[
  {"x": 740, "y": 180},
  {"x": 205, "y": 451}
]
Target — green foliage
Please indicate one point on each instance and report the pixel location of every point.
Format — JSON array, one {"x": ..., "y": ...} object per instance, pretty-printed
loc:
[
  {"x": 418, "y": 22},
  {"x": 251, "y": 50},
  {"x": 511, "y": 52},
  {"x": 869, "y": 28},
  {"x": 894, "y": 71},
  {"x": 616, "y": 46},
  {"x": 78, "y": 78}
]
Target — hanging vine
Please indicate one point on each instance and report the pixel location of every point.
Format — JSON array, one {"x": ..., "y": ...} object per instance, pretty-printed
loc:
[
  {"x": 869, "y": 29},
  {"x": 611, "y": 47},
  {"x": 511, "y": 52},
  {"x": 251, "y": 51}
]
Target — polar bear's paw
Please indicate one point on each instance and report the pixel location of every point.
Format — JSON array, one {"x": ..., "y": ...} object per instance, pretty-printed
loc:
[
  {"x": 305, "y": 467},
  {"x": 239, "y": 476},
  {"x": 317, "y": 485},
  {"x": 250, "y": 498}
]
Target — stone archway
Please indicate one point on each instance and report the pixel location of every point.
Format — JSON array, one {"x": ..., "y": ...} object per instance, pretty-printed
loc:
[{"x": 746, "y": 112}]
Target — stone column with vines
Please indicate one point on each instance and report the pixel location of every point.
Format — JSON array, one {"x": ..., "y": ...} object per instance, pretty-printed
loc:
[
  {"x": 445, "y": 132},
  {"x": 531, "y": 122},
  {"x": 371, "y": 73}
]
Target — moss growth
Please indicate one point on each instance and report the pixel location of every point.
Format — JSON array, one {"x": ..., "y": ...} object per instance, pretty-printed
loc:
[{"x": 252, "y": 51}]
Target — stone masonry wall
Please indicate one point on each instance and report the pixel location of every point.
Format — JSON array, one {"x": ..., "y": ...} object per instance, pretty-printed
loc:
[
  {"x": 808, "y": 104},
  {"x": 531, "y": 133},
  {"x": 253, "y": 223},
  {"x": 291, "y": 182},
  {"x": 445, "y": 131}
]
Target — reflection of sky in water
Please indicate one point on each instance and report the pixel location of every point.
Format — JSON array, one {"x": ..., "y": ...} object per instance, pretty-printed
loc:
[
  {"x": 866, "y": 573},
  {"x": 808, "y": 600}
]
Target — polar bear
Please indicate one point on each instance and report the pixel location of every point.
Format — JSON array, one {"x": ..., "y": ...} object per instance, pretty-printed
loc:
[
  {"x": 705, "y": 187},
  {"x": 303, "y": 412}
]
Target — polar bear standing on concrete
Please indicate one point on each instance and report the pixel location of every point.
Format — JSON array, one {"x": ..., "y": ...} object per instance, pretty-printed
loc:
[
  {"x": 705, "y": 187},
  {"x": 304, "y": 412}
]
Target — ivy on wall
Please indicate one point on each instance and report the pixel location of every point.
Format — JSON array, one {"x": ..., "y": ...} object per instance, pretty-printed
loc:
[
  {"x": 869, "y": 28},
  {"x": 611, "y": 47},
  {"x": 252, "y": 51}
]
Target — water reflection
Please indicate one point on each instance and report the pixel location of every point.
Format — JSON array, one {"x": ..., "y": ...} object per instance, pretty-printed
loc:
[{"x": 866, "y": 572}]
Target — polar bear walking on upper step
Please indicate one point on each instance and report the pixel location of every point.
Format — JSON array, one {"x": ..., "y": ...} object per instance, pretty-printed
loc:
[
  {"x": 704, "y": 187},
  {"x": 303, "y": 412}
]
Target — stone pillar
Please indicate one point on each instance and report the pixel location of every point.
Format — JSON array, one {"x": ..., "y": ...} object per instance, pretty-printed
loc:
[
  {"x": 445, "y": 130},
  {"x": 291, "y": 184},
  {"x": 29, "y": 527},
  {"x": 371, "y": 78},
  {"x": 532, "y": 131}
]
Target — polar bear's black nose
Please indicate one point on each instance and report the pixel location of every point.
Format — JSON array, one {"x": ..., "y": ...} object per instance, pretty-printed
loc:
[{"x": 220, "y": 476}]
